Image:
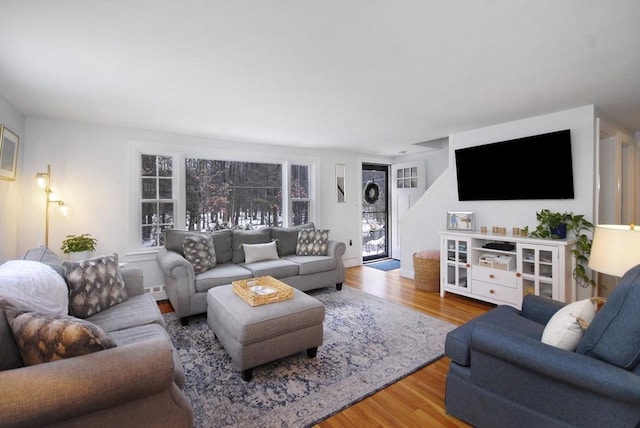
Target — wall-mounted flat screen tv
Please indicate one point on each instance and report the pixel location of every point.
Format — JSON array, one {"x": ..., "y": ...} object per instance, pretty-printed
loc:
[{"x": 535, "y": 167}]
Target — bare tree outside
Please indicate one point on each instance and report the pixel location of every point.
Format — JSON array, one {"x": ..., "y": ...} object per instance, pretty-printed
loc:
[{"x": 230, "y": 194}]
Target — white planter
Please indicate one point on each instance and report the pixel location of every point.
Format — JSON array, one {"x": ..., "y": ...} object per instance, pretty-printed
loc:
[{"x": 75, "y": 257}]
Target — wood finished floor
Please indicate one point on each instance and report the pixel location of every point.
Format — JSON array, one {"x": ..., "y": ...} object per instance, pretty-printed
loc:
[{"x": 418, "y": 399}]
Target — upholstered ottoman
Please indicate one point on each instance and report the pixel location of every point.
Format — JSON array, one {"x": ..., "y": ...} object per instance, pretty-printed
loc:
[{"x": 256, "y": 335}]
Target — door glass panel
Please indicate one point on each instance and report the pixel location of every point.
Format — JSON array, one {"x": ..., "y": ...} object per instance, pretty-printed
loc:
[{"x": 374, "y": 212}]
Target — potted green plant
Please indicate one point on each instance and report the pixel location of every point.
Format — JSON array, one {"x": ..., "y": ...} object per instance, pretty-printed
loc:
[
  {"x": 79, "y": 246},
  {"x": 555, "y": 225},
  {"x": 551, "y": 224}
]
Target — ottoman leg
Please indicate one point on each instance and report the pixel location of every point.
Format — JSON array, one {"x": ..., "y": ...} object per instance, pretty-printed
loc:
[
  {"x": 311, "y": 352},
  {"x": 247, "y": 375}
]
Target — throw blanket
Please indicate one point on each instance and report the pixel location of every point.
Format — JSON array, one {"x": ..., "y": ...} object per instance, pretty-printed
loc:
[{"x": 33, "y": 286}]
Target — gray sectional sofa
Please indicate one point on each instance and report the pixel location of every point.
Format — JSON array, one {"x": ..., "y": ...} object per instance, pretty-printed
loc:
[
  {"x": 139, "y": 382},
  {"x": 187, "y": 289}
]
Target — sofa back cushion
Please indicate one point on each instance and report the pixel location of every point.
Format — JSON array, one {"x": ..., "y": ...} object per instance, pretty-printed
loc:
[
  {"x": 287, "y": 238},
  {"x": 241, "y": 237},
  {"x": 174, "y": 238},
  {"x": 222, "y": 244},
  {"x": 9, "y": 354},
  {"x": 614, "y": 334},
  {"x": 44, "y": 255}
]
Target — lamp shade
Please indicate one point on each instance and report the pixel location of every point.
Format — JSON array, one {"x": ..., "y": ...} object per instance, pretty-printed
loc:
[{"x": 615, "y": 249}]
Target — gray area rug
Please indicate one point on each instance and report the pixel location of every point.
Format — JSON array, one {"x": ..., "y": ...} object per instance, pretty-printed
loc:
[{"x": 369, "y": 343}]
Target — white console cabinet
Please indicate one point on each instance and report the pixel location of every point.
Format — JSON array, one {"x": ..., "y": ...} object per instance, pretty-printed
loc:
[{"x": 502, "y": 269}]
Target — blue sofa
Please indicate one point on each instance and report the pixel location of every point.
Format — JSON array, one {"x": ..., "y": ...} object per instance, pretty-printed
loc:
[{"x": 502, "y": 375}]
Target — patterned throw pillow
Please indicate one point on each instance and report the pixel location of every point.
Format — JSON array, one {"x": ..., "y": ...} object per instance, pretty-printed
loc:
[
  {"x": 200, "y": 252},
  {"x": 47, "y": 337},
  {"x": 313, "y": 242},
  {"x": 94, "y": 284}
]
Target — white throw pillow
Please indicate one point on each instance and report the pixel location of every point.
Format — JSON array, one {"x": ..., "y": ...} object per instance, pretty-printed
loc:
[
  {"x": 259, "y": 252},
  {"x": 563, "y": 329},
  {"x": 33, "y": 286}
]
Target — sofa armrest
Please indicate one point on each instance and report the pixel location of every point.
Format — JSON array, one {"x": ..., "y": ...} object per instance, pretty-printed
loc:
[
  {"x": 568, "y": 368},
  {"x": 51, "y": 392},
  {"x": 336, "y": 249},
  {"x": 133, "y": 280},
  {"x": 174, "y": 264},
  {"x": 540, "y": 309}
]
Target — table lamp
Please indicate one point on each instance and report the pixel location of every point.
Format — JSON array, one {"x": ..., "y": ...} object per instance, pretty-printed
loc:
[{"x": 615, "y": 249}]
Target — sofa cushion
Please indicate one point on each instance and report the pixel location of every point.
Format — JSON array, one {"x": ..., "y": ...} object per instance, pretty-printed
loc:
[
  {"x": 222, "y": 241},
  {"x": 135, "y": 311},
  {"x": 313, "y": 264},
  {"x": 200, "y": 252},
  {"x": 241, "y": 237},
  {"x": 173, "y": 239},
  {"x": 44, "y": 255},
  {"x": 614, "y": 334},
  {"x": 458, "y": 342},
  {"x": 47, "y": 337},
  {"x": 279, "y": 268},
  {"x": 33, "y": 286},
  {"x": 287, "y": 238},
  {"x": 222, "y": 274},
  {"x": 94, "y": 284},
  {"x": 313, "y": 242},
  {"x": 563, "y": 329},
  {"x": 9, "y": 354},
  {"x": 259, "y": 252}
]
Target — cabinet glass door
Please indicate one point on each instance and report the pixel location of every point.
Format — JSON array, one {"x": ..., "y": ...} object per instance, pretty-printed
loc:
[
  {"x": 538, "y": 270},
  {"x": 456, "y": 264}
]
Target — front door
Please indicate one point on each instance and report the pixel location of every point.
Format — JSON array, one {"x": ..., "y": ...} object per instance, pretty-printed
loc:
[{"x": 375, "y": 211}]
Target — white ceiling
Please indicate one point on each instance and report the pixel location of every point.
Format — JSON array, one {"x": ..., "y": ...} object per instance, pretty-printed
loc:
[{"x": 371, "y": 76}]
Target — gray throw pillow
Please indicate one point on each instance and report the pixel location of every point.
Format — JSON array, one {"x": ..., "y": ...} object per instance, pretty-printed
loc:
[
  {"x": 200, "y": 252},
  {"x": 41, "y": 338},
  {"x": 313, "y": 242},
  {"x": 94, "y": 284}
]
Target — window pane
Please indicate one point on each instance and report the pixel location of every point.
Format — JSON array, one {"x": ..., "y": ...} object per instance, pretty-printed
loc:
[
  {"x": 232, "y": 194},
  {"x": 300, "y": 212},
  {"x": 165, "y": 188},
  {"x": 149, "y": 190},
  {"x": 148, "y": 166},
  {"x": 165, "y": 166},
  {"x": 299, "y": 181},
  {"x": 149, "y": 212},
  {"x": 149, "y": 236},
  {"x": 166, "y": 213}
]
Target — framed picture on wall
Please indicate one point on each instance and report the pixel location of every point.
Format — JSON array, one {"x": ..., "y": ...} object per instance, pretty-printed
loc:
[
  {"x": 460, "y": 220},
  {"x": 8, "y": 153}
]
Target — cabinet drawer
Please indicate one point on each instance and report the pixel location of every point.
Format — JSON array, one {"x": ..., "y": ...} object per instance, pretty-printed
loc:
[
  {"x": 494, "y": 291},
  {"x": 495, "y": 276}
]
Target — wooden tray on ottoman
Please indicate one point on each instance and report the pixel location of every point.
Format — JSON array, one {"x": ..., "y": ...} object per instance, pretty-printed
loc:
[{"x": 262, "y": 290}]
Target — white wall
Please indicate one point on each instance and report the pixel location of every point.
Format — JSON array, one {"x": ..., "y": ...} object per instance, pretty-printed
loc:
[
  {"x": 10, "y": 190},
  {"x": 91, "y": 171},
  {"x": 419, "y": 230}
]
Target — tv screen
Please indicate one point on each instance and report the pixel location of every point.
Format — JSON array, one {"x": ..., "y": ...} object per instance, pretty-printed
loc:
[{"x": 536, "y": 167}]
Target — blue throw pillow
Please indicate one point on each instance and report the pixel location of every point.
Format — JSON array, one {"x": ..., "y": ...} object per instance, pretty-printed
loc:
[{"x": 614, "y": 334}]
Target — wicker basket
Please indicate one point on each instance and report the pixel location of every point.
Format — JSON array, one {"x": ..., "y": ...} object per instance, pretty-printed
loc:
[
  {"x": 262, "y": 290},
  {"x": 426, "y": 268}
]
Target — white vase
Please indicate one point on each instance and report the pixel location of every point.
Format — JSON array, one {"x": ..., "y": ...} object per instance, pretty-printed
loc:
[{"x": 81, "y": 255}]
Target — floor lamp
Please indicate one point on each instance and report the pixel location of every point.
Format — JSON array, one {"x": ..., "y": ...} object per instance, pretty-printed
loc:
[
  {"x": 615, "y": 249},
  {"x": 44, "y": 181}
]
